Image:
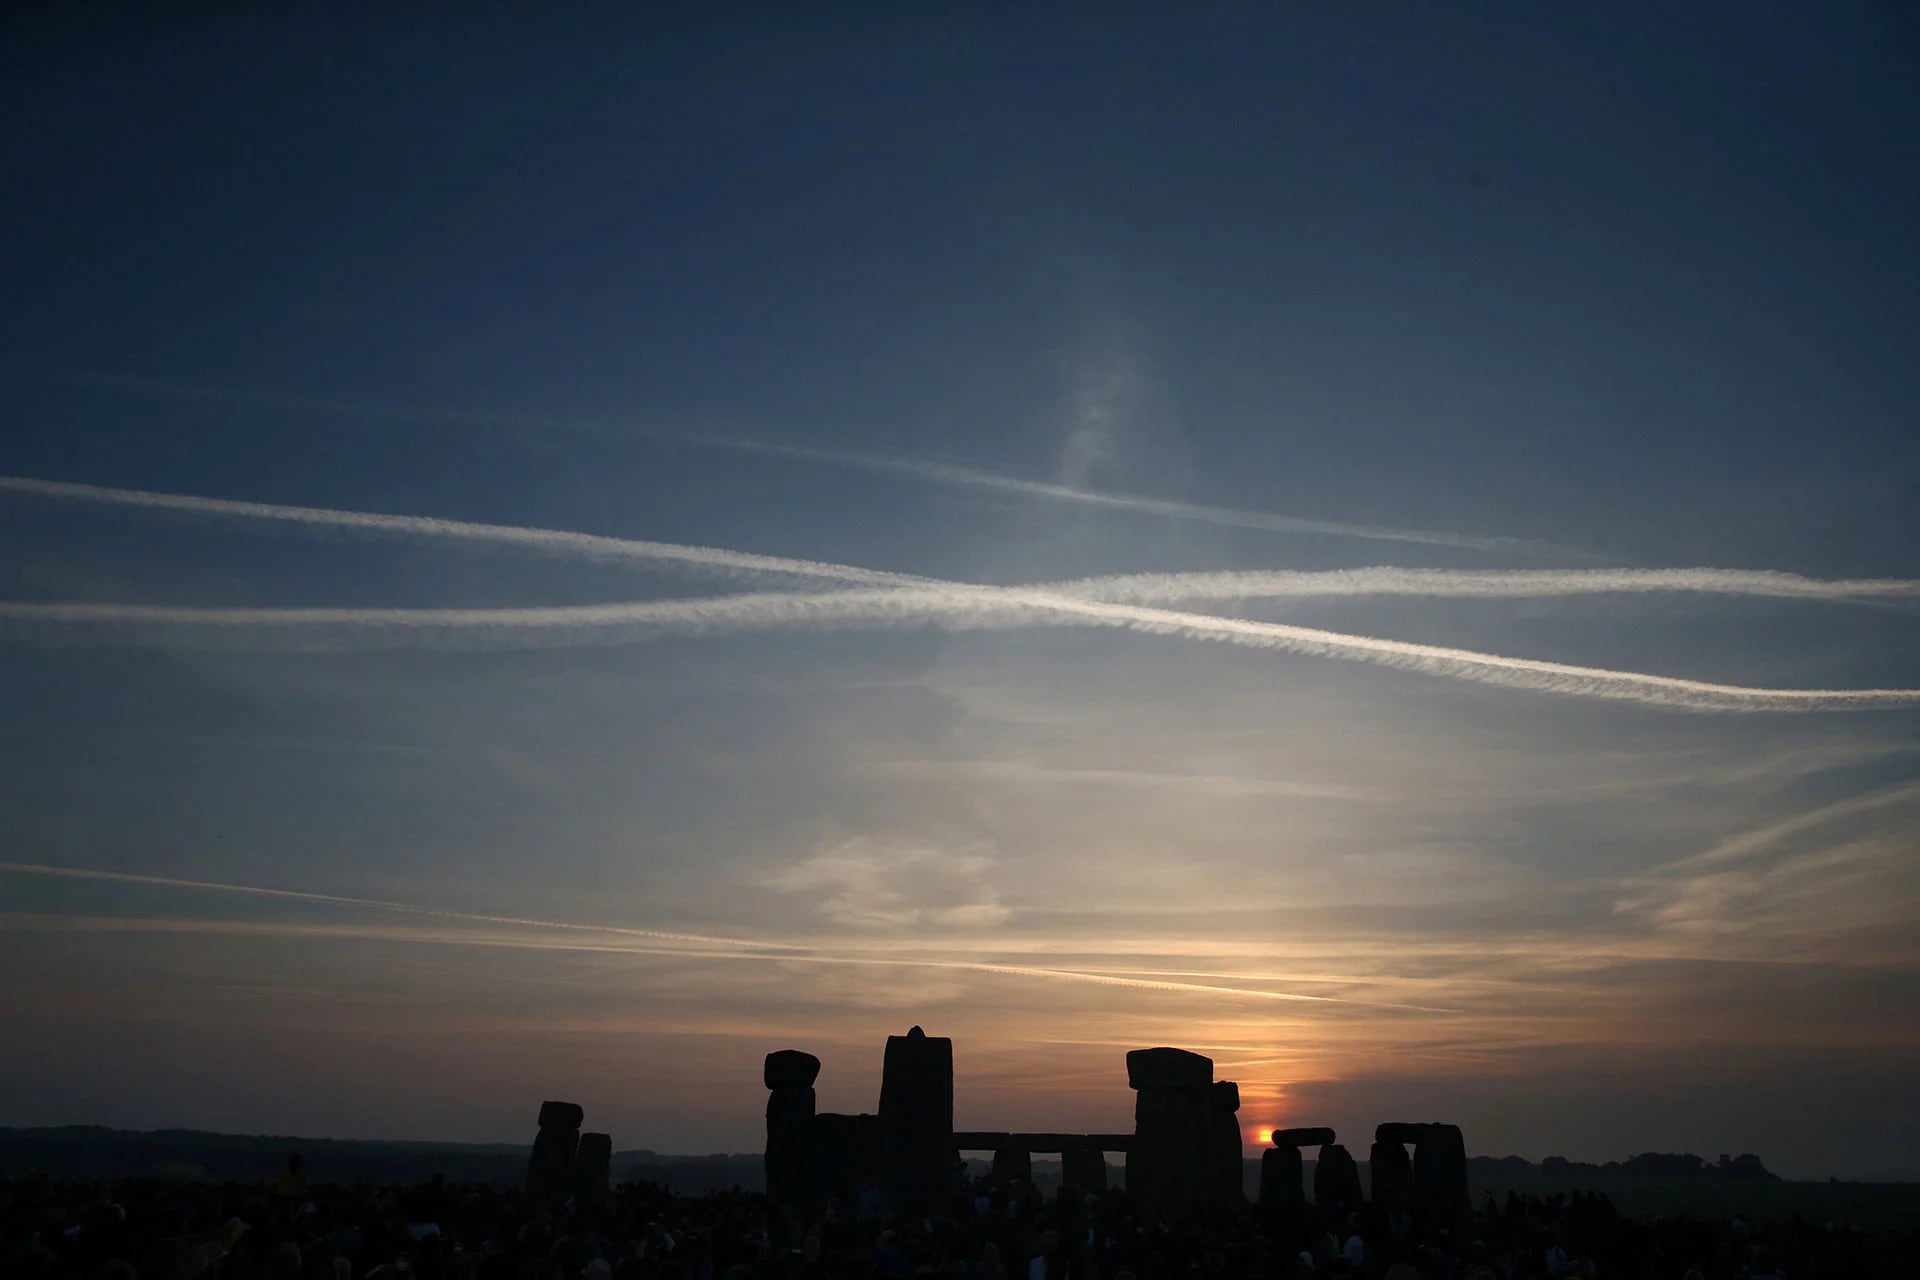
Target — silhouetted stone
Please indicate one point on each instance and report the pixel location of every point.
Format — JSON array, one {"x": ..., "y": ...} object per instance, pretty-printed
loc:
[
  {"x": 592, "y": 1166},
  {"x": 790, "y": 1153},
  {"x": 1174, "y": 1162},
  {"x": 1440, "y": 1173},
  {"x": 1336, "y": 1178},
  {"x": 1084, "y": 1169},
  {"x": 790, "y": 1149},
  {"x": 1392, "y": 1176},
  {"x": 1400, "y": 1132},
  {"x": 550, "y": 1167},
  {"x": 846, "y": 1158},
  {"x": 1282, "y": 1184},
  {"x": 1168, "y": 1069},
  {"x": 916, "y": 1119},
  {"x": 790, "y": 1069},
  {"x": 1013, "y": 1164},
  {"x": 1228, "y": 1180},
  {"x": 1302, "y": 1137}
]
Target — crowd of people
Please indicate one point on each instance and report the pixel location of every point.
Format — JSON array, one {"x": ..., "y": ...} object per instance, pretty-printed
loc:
[{"x": 160, "y": 1229}]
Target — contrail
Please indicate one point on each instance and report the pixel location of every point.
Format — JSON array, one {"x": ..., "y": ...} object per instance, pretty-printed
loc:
[
  {"x": 957, "y": 606},
  {"x": 587, "y": 546},
  {"x": 331, "y": 899},
  {"x": 1139, "y": 588},
  {"x": 953, "y": 474},
  {"x": 932, "y": 471},
  {"x": 1386, "y": 580},
  {"x": 911, "y": 601}
]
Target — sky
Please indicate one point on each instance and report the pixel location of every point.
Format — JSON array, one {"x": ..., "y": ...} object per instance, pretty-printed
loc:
[{"x": 548, "y": 555}]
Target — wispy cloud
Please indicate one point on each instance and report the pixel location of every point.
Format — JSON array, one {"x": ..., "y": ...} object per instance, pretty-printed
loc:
[
  {"x": 868, "y": 882},
  {"x": 1758, "y": 840},
  {"x": 588, "y": 938},
  {"x": 1204, "y": 784},
  {"x": 1755, "y": 879}
]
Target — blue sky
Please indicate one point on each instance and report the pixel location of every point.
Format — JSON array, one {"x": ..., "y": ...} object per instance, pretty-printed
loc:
[{"x": 989, "y": 300}]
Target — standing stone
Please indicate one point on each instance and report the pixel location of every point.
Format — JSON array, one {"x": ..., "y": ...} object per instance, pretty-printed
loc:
[
  {"x": 846, "y": 1160},
  {"x": 1013, "y": 1164},
  {"x": 1282, "y": 1187},
  {"x": 1229, "y": 1177},
  {"x": 916, "y": 1120},
  {"x": 790, "y": 1151},
  {"x": 592, "y": 1168},
  {"x": 550, "y": 1168},
  {"x": 1392, "y": 1175},
  {"x": 1440, "y": 1173},
  {"x": 1174, "y": 1164},
  {"x": 1336, "y": 1178},
  {"x": 1084, "y": 1169}
]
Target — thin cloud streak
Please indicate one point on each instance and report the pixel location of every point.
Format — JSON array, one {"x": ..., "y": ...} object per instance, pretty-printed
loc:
[
  {"x": 917, "y": 600},
  {"x": 55, "y": 922},
  {"x": 1747, "y": 843},
  {"x": 929, "y": 470},
  {"x": 376, "y": 904},
  {"x": 953, "y": 474}
]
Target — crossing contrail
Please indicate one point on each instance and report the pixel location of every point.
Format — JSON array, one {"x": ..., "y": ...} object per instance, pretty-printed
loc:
[
  {"x": 1138, "y": 588},
  {"x": 956, "y": 606},
  {"x": 904, "y": 600},
  {"x": 557, "y": 542}
]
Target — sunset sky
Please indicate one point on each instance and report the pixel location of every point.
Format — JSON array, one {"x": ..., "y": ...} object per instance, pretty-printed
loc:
[{"x": 548, "y": 556}]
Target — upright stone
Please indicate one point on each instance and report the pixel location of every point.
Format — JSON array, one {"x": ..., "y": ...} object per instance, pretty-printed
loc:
[
  {"x": 790, "y": 1151},
  {"x": 1229, "y": 1179},
  {"x": 1013, "y": 1164},
  {"x": 1174, "y": 1164},
  {"x": 1282, "y": 1187},
  {"x": 916, "y": 1120},
  {"x": 1084, "y": 1169},
  {"x": 1392, "y": 1175},
  {"x": 846, "y": 1160},
  {"x": 550, "y": 1168},
  {"x": 593, "y": 1168},
  {"x": 1336, "y": 1178},
  {"x": 1440, "y": 1173}
]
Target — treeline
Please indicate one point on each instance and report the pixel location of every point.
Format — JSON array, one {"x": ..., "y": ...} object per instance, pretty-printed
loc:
[
  {"x": 1745, "y": 1167},
  {"x": 86, "y": 1151}
]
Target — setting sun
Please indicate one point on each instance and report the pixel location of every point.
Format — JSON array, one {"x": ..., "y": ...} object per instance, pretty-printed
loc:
[{"x": 1263, "y": 1135}]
